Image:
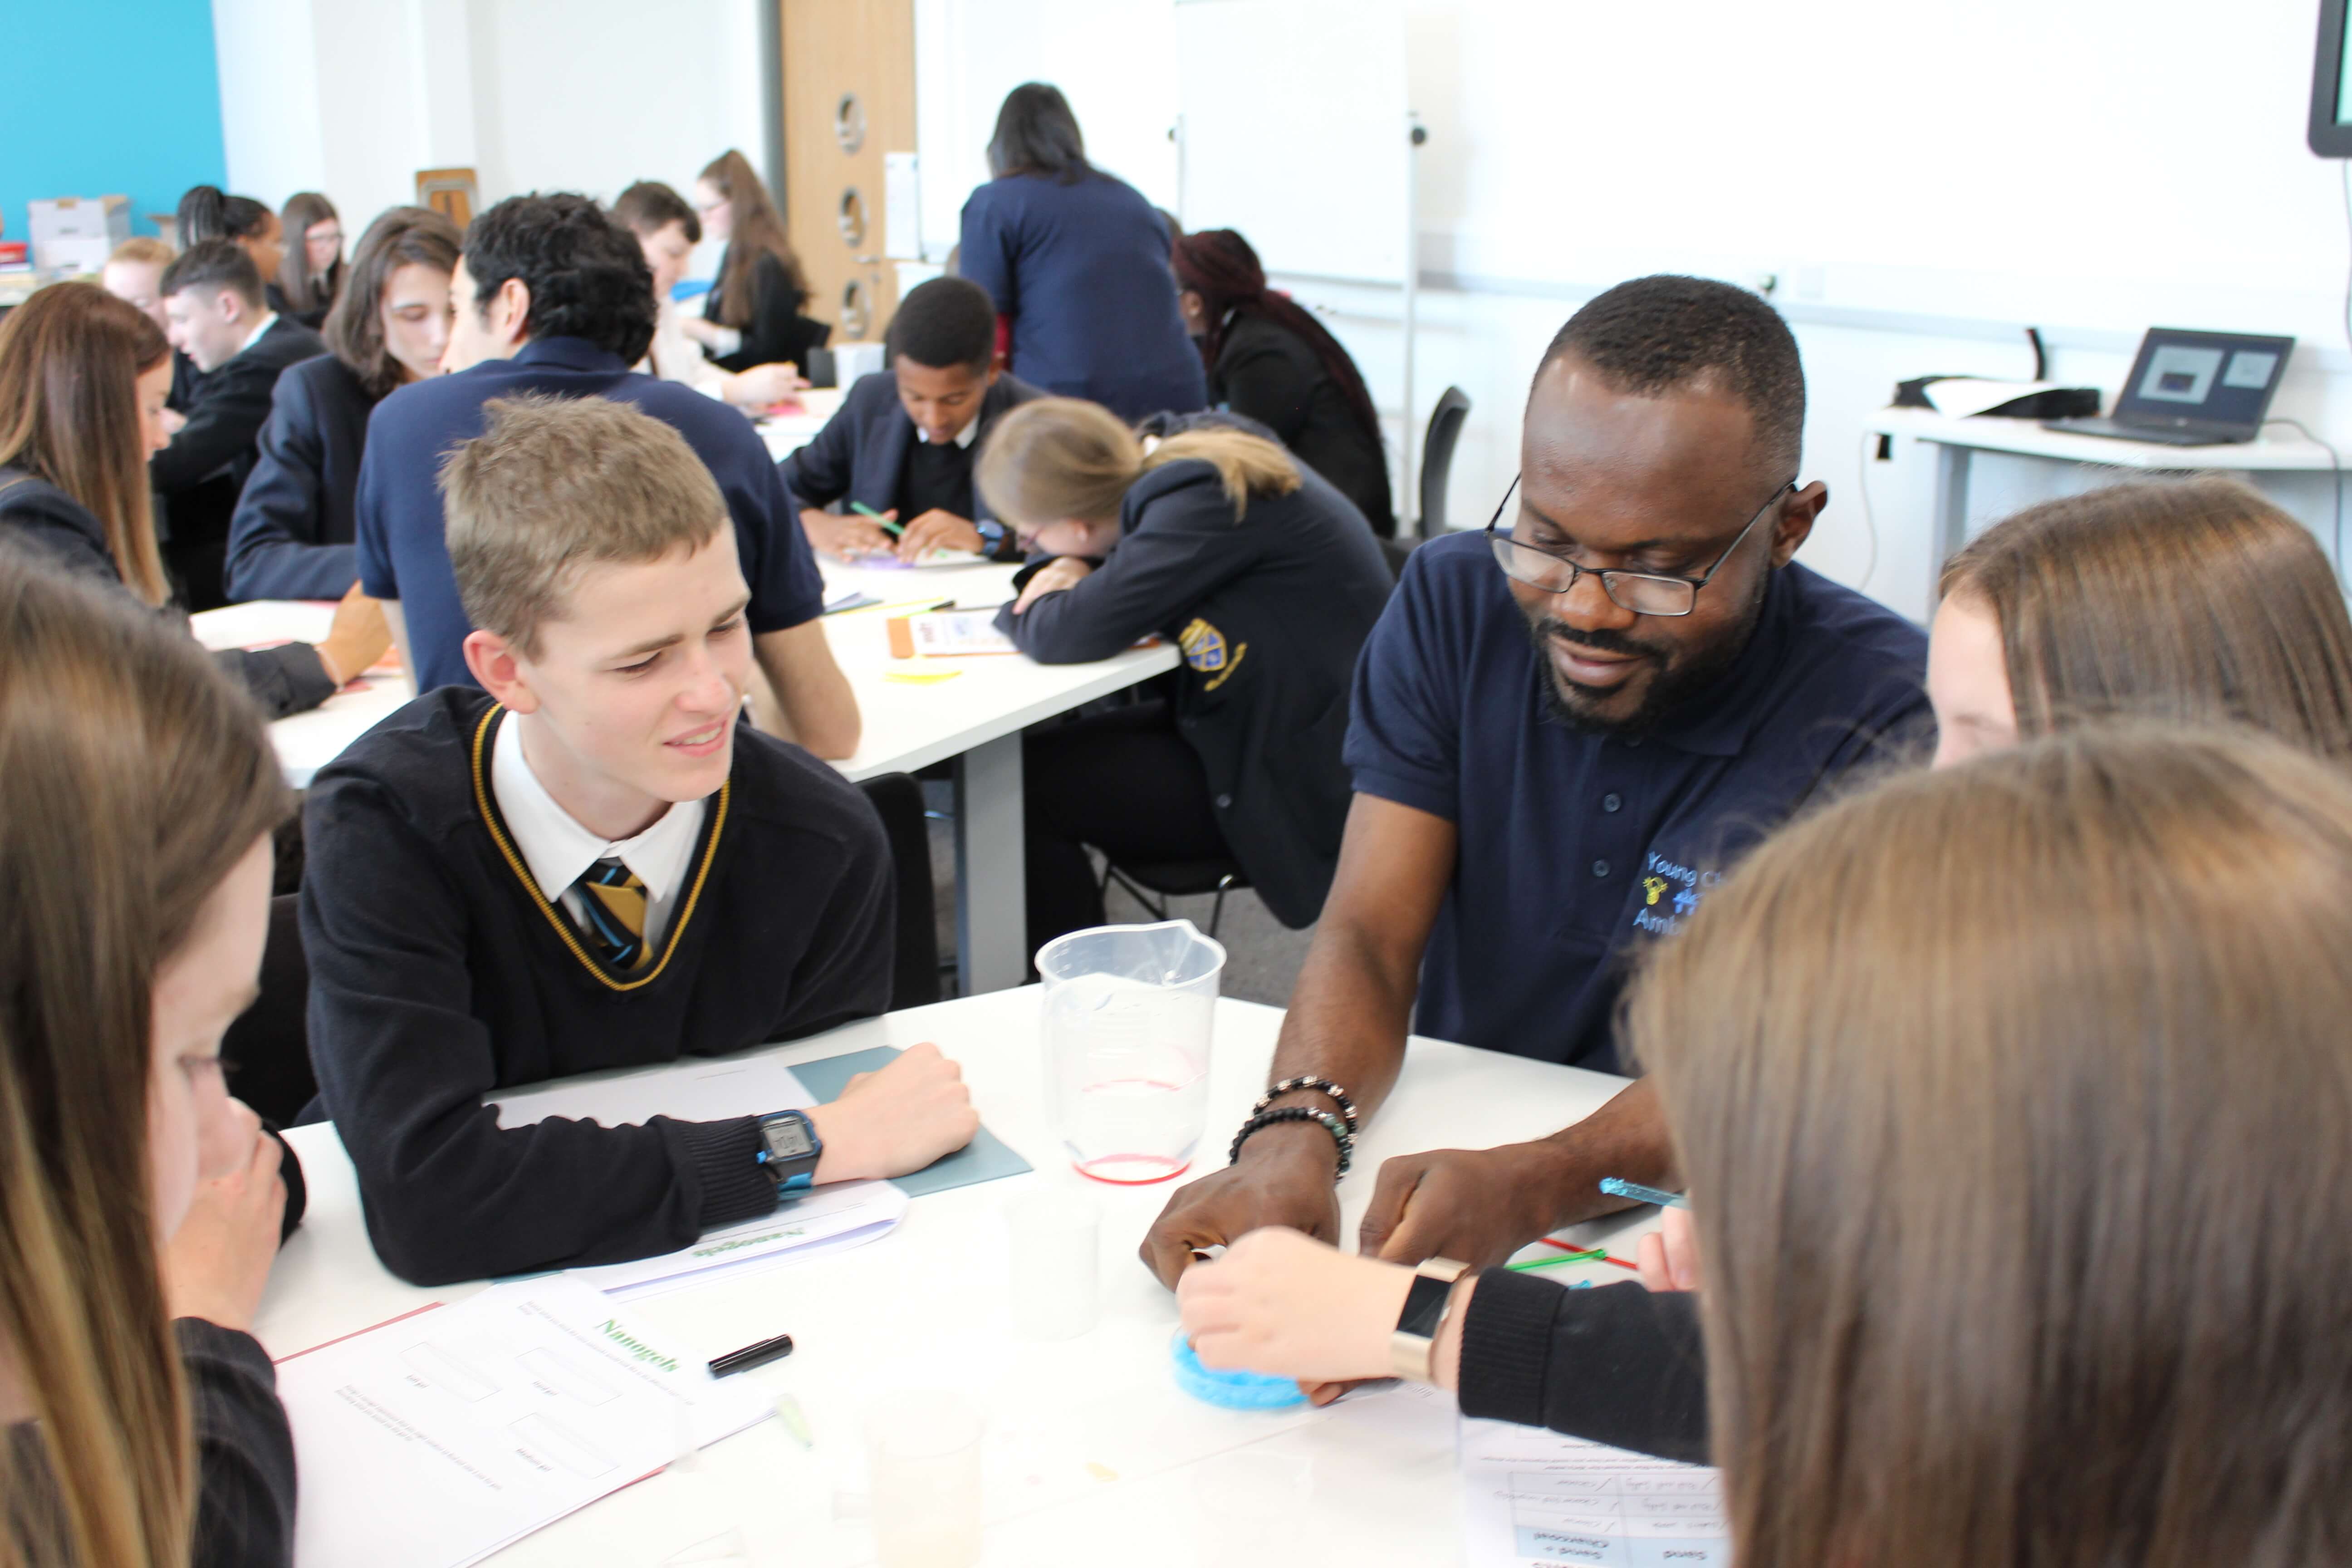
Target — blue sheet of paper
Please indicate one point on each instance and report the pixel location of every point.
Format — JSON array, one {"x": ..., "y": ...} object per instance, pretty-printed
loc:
[{"x": 984, "y": 1159}]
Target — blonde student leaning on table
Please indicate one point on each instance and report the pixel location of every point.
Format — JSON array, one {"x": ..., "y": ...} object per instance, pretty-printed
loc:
[{"x": 584, "y": 864}]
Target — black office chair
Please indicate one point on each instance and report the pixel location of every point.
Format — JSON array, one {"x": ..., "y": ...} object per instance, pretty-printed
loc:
[
  {"x": 1445, "y": 421},
  {"x": 1153, "y": 883},
  {"x": 898, "y": 799}
]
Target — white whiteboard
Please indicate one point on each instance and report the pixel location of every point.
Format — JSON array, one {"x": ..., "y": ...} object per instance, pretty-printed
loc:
[
  {"x": 1295, "y": 130},
  {"x": 2102, "y": 164}
]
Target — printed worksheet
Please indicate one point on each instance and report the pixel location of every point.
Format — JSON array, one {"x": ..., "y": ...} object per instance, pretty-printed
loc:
[
  {"x": 1532, "y": 1496},
  {"x": 506, "y": 1412}
]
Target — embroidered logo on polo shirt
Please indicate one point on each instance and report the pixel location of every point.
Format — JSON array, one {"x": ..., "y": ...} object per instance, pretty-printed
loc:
[
  {"x": 1205, "y": 650},
  {"x": 1670, "y": 892}
]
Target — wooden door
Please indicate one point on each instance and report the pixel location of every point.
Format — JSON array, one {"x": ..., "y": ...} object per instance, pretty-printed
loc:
[{"x": 848, "y": 98}]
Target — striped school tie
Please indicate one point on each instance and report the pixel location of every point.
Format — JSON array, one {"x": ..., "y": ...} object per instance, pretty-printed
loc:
[{"x": 615, "y": 926}]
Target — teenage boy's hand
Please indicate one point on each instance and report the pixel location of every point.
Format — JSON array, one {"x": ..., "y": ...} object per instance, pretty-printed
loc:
[
  {"x": 844, "y": 537},
  {"x": 1285, "y": 1177},
  {"x": 356, "y": 638},
  {"x": 939, "y": 530},
  {"x": 896, "y": 1120},
  {"x": 219, "y": 1260}
]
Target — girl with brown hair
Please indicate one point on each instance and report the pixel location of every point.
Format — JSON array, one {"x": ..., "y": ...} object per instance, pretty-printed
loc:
[
  {"x": 136, "y": 851},
  {"x": 1270, "y": 360},
  {"x": 291, "y": 537},
  {"x": 752, "y": 313},
  {"x": 311, "y": 275},
  {"x": 83, "y": 376},
  {"x": 1268, "y": 580}
]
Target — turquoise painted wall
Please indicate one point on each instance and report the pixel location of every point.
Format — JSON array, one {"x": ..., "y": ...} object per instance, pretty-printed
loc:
[{"x": 108, "y": 97}]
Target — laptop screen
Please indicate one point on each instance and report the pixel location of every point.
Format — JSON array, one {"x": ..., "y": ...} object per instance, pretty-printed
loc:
[{"x": 2204, "y": 378}]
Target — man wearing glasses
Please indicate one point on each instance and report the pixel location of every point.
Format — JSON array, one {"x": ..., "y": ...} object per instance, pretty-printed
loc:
[{"x": 1564, "y": 732}]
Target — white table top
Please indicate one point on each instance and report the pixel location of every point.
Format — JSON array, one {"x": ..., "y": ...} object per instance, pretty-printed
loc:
[
  {"x": 1093, "y": 1454},
  {"x": 906, "y": 726},
  {"x": 2027, "y": 437},
  {"x": 788, "y": 433}
]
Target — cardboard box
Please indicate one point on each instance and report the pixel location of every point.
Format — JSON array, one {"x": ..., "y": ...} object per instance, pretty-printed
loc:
[
  {"x": 102, "y": 221},
  {"x": 76, "y": 258}
]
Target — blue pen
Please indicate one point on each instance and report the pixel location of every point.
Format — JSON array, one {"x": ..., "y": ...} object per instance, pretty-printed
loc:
[{"x": 1617, "y": 1188}]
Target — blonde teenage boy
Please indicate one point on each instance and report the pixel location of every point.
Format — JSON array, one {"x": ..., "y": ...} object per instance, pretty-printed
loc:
[{"x": 586, "y": 864}]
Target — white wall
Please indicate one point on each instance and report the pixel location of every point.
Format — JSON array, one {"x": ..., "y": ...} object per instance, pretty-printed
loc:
[
  {"x": 353, "y": 97},
  {"x": 1922, "y": 179}
]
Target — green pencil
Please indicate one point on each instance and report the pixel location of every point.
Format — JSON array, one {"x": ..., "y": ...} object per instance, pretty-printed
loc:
[
  {"x": 1592, "y": 1256},
  {"x": 862, "y": 510}
]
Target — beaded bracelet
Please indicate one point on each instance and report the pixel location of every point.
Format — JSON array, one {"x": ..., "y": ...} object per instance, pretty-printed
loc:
[
  {"x": 1324, "y": 1118},
  {"x": 1322, "y": 1086}
]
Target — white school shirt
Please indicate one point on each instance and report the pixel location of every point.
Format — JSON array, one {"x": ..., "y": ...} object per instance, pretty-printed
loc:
[
  {"x": 559, "y": 851},
  {"x": 268, "y": 320},
  {"x": 674, "y": 356}
]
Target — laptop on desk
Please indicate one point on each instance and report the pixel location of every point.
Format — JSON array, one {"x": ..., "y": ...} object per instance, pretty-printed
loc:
[{"x": 2193, "y": 389}]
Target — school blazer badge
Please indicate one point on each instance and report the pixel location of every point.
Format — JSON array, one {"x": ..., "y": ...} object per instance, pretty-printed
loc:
[{"x": 1205, "y": 650}]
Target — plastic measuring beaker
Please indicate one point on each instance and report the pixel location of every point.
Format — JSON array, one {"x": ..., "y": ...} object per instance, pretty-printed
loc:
[{"x": 1128, "y": 1015}]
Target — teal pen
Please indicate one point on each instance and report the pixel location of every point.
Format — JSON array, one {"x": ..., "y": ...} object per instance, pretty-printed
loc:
[
  {"x": 1617, "y": 1187},
  {"x": 862, "y": 510}
]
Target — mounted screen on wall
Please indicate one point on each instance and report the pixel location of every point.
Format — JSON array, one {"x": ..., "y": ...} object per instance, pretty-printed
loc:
[{"x": 2331, "y": 86}]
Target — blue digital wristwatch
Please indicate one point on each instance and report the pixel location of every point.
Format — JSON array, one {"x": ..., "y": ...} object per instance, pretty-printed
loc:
[{"x": 788, "y": 1150}]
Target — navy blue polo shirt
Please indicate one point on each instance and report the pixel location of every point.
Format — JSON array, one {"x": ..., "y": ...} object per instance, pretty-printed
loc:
[
  {"x": 399, "y": 537},
  {"x": 1575, "y": 848}
]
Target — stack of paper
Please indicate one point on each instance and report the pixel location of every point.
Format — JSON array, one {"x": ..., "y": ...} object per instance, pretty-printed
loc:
[
  {"x": 440, "y": 1438},
  {"x": 1534, "y": 1497},
  {"x": 844, "y": 1214}
]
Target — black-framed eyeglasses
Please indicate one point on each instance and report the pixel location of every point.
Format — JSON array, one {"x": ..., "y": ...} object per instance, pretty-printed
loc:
[{"x": 1643, "y": 592}]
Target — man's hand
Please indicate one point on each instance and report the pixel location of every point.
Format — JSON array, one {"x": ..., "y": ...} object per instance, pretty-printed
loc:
[
  {"x": 895, "y": 1119},
  {"x": 846, "y": 536},
  {"x": 1061, "y": 572},
  {"x": 1285, "y": 1176},
  {"x": 356, "y": 638},
  {"x": 938, "y": 529},
  {"x": 1477, "y": 1205},
  {"x": 219, "y": 1260}
]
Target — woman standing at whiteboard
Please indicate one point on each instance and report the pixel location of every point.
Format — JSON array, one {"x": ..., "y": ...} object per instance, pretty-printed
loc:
[{"x": 1076, "y": 261}]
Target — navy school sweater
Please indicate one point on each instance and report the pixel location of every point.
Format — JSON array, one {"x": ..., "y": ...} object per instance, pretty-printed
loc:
[{"x": 438, "y": 974}]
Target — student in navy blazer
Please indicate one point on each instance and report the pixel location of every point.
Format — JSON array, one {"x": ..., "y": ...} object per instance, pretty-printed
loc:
[
  {"x": 1076, "y": 261},
  {"x": 904, "y": 439},
  {"x": 291, "y": 535}
]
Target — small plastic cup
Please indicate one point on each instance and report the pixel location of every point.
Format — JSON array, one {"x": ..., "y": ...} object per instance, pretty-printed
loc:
[
  {"x": 922, "y": 1450},
  {"x": 1055, "y": 1259},
  {"x": 1129, "y": 1012}
]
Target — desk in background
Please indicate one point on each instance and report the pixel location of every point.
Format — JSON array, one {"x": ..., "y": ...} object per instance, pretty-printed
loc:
[
  {"x": 1093, "y": 1454},
  {"x": 1957, "y": 441}
]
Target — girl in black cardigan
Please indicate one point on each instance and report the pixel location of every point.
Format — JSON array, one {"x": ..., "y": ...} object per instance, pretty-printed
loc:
[{"x": 752, "y": 314}]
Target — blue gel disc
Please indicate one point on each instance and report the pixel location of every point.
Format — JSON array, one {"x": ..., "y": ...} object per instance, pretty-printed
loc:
[{"x": 1231, "y": 1390}]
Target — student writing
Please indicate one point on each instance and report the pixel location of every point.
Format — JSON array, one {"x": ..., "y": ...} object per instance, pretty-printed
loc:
[
  {"x": 902, "y": 443},
  {"x": 582, "y": 861},
  {"x": 1264, "y": 578},
  {"x": 142, "y": 1205},
  {"x": 291, "y": 537},
  {"x": 668, "y": 230}
]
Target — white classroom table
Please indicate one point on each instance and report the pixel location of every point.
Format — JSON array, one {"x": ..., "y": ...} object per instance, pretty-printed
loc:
[
  {"x": 1093, "y": 1456},
  {"x": 788, "y": 433},
  {"x": 1956, "y": 440},
  {"x": 975, "y": 719}
]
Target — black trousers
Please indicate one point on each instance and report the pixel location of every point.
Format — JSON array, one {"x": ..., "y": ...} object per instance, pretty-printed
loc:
[{"x": 1124, "y": 782}]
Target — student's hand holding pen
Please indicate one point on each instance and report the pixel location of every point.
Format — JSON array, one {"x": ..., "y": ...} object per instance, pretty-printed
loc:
[{"x": 939, "y": 530}]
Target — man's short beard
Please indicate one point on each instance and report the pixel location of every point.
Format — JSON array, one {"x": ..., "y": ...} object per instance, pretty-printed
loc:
[{"x": 1674, "y": 684}]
